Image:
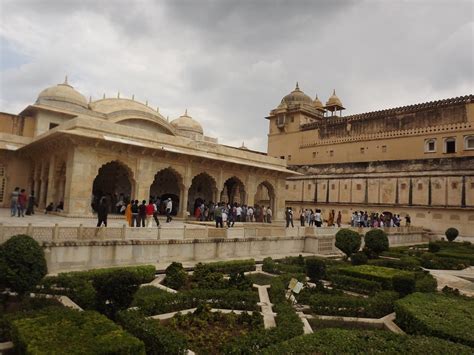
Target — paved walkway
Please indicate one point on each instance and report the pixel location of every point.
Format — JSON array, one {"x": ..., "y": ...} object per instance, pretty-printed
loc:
[{"x": 460, "y": 279}]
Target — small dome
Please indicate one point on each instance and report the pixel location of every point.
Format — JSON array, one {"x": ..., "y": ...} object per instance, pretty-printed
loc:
[
  {"x": 297, "y": 96},
  {"x": 334, "y": 101},
  {"x": 110, "y": 105},
  {"x": 187, "y": 124},
  {"x": 63, "y": 93},
  {"x": 318, "y": 104}
]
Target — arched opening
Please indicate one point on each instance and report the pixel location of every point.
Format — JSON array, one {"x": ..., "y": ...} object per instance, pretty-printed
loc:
[
  {"x": 166, "y": 185},
  {"x": 203, "y": 190},
  {"x": 265, "y": 196},
  {"x": 114, "y": 182},
  {"x": 234, "y": 191}
]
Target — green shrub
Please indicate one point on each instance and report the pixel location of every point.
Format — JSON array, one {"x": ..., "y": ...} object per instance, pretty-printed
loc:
[
  {"x": 377, "y": 306},
  {"x": 228, "y": 267},
  {"x": 315, "y": 269},
  {"x": 22, "y": 264},
  {"x": 359, "y": 258},
  {"x": 144, "y": 273},
  {"x": 431, "y": 261},
  {"x": 408, "y": 263},
  {"x": 382, "y": 275},
  {"x": 403, "y": 284},
  {"x": 293, "y": 260},
  {"x": 79, "y": 290},
  {"x": 342, "y": 341},
  {"x": 240, "y": 282},
  {"x": 376, "y": 240},
  {"x": 176, "y": 276},
  {"x": 273, "y": 267},
  {"x": 72, "y": 332},
  {"x": 463, "y": 257},
  {"x": 348, "y": 241},
  {"x": 439, "y": 315},
  {"x": 355, "y": 284},
  {"x": 158, "y": 339},
  {"x": 115, "y": 291},
  {"x": 451, "y": 234},
  {"x": 433, "y": 247},
  {"x": 425, "y": 282}
]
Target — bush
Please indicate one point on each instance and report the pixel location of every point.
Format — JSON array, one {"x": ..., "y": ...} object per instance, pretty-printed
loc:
[
  {"x": 115, "y": 292},
  {"x": 228, "y": 267},
  {"x": 72, "y": 332},
  {"x": 355, "y": 284},
  {"x": 348, "y": 241},
  {"x": 439, "y": 315},
  {"x": 315, "y": 269},
  {"x": 451, "y": 234},
  {"x": 431, "y": 261},
  {"x": 144, "y": 273},
  {"x": 158, "y": 339},
  {"x": 408, "y": 263},
  {"x": 22, "y": 264},
  {"x": 425, "y": 282},
  {"x": 273, "y": 267},
  {"x": 376, "y": 240},
  {"x": 342, "y": 341},
  {"x": 359, "y": 258},
  {"x": 403, "y": 284},
  {"x": 433, "y": 247},
  {"x": 382, "y": 275},
  {"x": 176, "y": 277}
]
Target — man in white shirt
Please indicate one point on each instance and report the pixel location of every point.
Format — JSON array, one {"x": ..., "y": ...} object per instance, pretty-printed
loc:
[
  {"x": 169, "y": 208},
  {"x": 239, "y": 213}
]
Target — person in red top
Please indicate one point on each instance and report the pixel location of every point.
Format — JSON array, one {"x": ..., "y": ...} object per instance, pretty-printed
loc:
[
  {"x": 22, "y": 198},
  {"x": 150, "y": 210}
]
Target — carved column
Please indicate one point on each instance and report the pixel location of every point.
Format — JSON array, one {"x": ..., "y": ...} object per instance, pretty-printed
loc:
[
  {"x": 42, "y": 193},
  {"x": 50, "y": 194},
  {"x": 463, "y": 192}
]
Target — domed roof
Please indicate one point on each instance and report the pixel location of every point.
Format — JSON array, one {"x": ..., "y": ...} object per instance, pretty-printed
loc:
[
  {"x": 318, "y": 104},
  {"x": 334, "y": 101},
  {"x": 297, "y": 96},
  {"x": 187, "y": 123},
  {"x": 109, "y": 105},
  {"x": 62, "y": 93}
]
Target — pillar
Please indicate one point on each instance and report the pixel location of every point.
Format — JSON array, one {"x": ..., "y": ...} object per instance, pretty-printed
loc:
[
  {"x": 183, "y": 200},
  {"x": 42, "y": 186},
  {"x": 51, "y": 193}
]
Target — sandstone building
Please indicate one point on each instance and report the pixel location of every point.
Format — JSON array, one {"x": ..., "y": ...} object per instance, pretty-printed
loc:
[
  {"x": 68, "y": 149},
  {"x": 416, "y": 159}
]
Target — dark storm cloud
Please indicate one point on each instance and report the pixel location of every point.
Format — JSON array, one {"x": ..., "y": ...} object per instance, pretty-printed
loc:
[{"x": 231, "y": 62}]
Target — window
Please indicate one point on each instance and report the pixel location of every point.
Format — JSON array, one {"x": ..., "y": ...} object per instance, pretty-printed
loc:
[
  {"x": 450, "y": 145},
  {"x": 309, "y": 186},
  {"x": 454, "y": 185},
  {"x": 420, "y": 186},
  {"x": 52, "y": 125},
  {"x": 331, "y": 153},
  {"x": 359, "y": 187},
  {"x": 333, "y": 186},
  {"x": 362, "y": 150},
  {"x": 437, "y": 186},
  {"x": 345, "y": 187},
  {"x": 430, "y": 145},
  {"x": 403, "y": 186},
  {"x": 280, "y": 121},
  {"x": 384, "y": 149},
  {"x": 469, "y": 142},
  {"x": 289, "y": 157},
  {"x": 286, "y": 186},
  {"x": 292, "y": 119},
  {"x": 314, "y": 154},
  {"x": 282, "y": 157}
]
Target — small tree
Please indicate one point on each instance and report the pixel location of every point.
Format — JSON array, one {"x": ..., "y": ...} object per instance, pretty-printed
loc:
[
  {"x": 115, "y": 291},
  {"x": 348, "y": 241},
  {"x": 376, "y": 241},
  {"x": 315, "y": 269},
  {"x": 359, "y": 258},
  {"x": 22, "y": 264},
  {"x": 176, "y": 276},
  {"x": 451, "y": 234}
]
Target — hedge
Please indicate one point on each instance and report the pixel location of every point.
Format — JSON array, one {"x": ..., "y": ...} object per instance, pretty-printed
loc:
[
  {"x": 158, "y": 339},
  {"x": 228, "y": 267},
  {"x": 342, "y": 341},
  {"x": 152, "y": 300},
  {"x": 377, "y": 306},
  {"x": 380, "y": 274},
  {"x": 273, "y": 267},
  {"x": 439, "y": 315},
  {"x": 355, "y": 284},
  {"x": 408, "y": 263},
  {"x": 145, "y": 273},
  {"x": 72, "y": 332}
]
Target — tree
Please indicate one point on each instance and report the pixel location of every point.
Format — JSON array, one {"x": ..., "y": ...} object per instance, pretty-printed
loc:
[
  {"x": 348, "y": 241},
  {"x": 22, "y": 264},
  {"x": 376, "y": 241},
  {"x": 451, "y": 234},
  {"x": 176, "y": 276},
  {"x": 315, "y": 269}
]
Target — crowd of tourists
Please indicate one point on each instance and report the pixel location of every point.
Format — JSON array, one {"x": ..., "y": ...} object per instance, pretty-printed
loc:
[
  {"x": 358, "y": 219},
  {"x": 22, "y": 204}
]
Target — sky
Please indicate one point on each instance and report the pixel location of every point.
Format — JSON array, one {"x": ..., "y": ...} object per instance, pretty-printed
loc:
[{"x": 231, "y": 62}]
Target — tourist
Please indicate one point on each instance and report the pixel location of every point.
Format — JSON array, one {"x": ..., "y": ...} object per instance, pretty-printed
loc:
[
  {"x": 135, "y": 218},
  {"x": 224, "y": 215},
  {"x": 142, "y": 214},
  {"x": 150, "y": 210},
  {"x": 302, "y": 217},
  {"x": 14, "y": 201},
  {"x": 318, "y": 219},
  {"x": 250, "y": 214},
  {"x": 269, "y": 215},
  {"x": 156, "y": 206},
  {"x": 31, "y": 204},
  {"x": 218, "y": 216},
  {"x": 264, "y": 210},
  {"x": 169, "y": 208},
  {"x": 407, "y": 220},
  {"x": 60, "y": 206},
  {"x": 307, "y": 215},
  {"x": 22, "y": 198},
  {"x": 128, "y": 213},
  {"x": 102, "y": 212},
  {"x": 49, "y": 208},
  {"x": 289, "y": 217},
  {"x": 331, "y": 218},
  {"x": 339, "y": 219},
  {"x": 239, "y": 213}
]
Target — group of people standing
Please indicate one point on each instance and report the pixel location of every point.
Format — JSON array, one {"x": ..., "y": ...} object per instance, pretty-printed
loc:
[
  {"x": 313, "y": 218},
  {"x": 21, "y": 203},
  {"x": 375, "y": 220},
  {"x": 228, "y": 214}
]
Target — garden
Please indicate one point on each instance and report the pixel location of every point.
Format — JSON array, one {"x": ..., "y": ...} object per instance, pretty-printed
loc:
[{"x": 374, "y": 300}]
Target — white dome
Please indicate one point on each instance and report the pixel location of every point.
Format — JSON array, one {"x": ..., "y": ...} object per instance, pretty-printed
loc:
[
  {"x": 187, "y": 124},
  {"x": 62, "y": 93}
]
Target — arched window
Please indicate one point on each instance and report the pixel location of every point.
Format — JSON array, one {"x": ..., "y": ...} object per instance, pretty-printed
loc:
[
  {"x": 450, "y": 145},
  {"x": 430, "y": 145},
  {"x": 469, "y": 143}
]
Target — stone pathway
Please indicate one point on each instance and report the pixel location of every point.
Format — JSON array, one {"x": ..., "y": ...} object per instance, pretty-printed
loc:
[
  {"x": 266, "y": 306},
  {"x": 460, "y": 279}
]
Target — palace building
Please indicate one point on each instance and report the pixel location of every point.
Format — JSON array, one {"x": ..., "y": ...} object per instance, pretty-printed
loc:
[
  {"x": 68, "y": 149},
  {"x": 416, "y": 160}
]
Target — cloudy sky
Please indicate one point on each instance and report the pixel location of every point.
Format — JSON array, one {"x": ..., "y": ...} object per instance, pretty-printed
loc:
[{"x": 231, "y": 62}]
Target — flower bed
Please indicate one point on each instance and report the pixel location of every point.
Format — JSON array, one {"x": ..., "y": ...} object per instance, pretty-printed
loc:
[
  {"x": 72, "y": 332},
  {"x": 340, "y": 341},
  {"x": 444, "y": 316}
]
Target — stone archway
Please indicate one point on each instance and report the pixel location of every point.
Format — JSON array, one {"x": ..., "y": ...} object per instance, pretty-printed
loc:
[
  {"x": 203, "y": 189},
  {"x": 265, "y": 195},
  {"x": 233, "y": 191},
  {"x": 167, "y": 184},
  {"x": 114, "y": 181}
]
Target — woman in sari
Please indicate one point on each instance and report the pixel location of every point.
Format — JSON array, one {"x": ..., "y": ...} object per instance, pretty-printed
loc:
[{"x": 128, "y": 214}]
